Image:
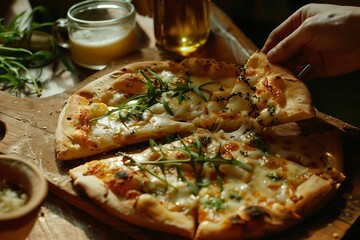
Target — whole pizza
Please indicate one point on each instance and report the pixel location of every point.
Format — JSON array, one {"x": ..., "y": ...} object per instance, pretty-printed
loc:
[{"x": 200, "y": 148}]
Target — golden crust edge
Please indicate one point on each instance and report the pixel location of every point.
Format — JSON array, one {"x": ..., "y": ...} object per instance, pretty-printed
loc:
[
  {"x": 302, "y": 103},
  {"x": 133, "y": 211}
]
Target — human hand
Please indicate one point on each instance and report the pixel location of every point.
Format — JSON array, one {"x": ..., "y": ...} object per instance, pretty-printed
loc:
[{"x": 323, "y": 35}]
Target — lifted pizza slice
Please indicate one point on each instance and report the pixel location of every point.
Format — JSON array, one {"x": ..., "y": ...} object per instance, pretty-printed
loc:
[{"x": 268, "y": 94}]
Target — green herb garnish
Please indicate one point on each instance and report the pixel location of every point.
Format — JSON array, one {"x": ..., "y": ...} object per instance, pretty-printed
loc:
[
  {"x": 275, "y": 177},
  {"x": 195, "y": 158},
  {"x": 258, "y": 142},
  {"x": 271, "y": 109},
  {"x": 243, "y": 78},
  {"x": 19, "y": 53},
  {"x": 235, "y": 196},
  {"x": 213, "y": 203},
  {"x": 181, "y": 89},
  {"x": 157, "y": 91}
]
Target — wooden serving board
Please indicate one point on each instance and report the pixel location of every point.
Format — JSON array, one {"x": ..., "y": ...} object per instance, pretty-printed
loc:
[{"x": 27, "y": 128}]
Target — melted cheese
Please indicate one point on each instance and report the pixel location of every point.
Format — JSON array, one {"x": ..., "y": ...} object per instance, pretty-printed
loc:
[
  {"x": 270, "y": 182},
  {"x": 263, "y": 176},
  {"x": 108, "y": 131}
]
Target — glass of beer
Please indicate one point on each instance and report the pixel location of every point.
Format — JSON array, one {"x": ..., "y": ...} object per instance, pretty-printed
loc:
[
  {"x": 99, "y": 32},
  {"x": 181, "y": 26}
]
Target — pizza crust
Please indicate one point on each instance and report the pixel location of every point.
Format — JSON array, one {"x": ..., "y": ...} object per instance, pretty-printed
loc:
[
  {"x": 254, "y": 219},
  {"x": 298, "y": 98},
  {"x": 210, "y": 68},
  {"x": 144, "y": 211},
  {"x": 289, "y": 95},
  {"x": 314, "y": 194},
  {"x": 238, "y": 229}
]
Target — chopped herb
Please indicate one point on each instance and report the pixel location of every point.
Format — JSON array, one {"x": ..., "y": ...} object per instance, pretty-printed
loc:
[
  {"x": 258, "y": 142},
  {"x": 274, "y": 177},
  {"x": 243, "y": 78},
  {"x": 213, "y": 203},
  {"x": 244, "y": 153},
  {"x": 195, "y": 158},
  {"x": 181, "y": 89},
  {"x": 128, "y": 160},
  {"x": 166, "y": 106},
  {"x": 157, "y": 90},
  {"x": 171, "y": 138},
  {"x": 260, "y": 121},
  {"x": 271, "y": 109},
  {"x": 253, "y": 107},
  {"x": 224, "y": 99},
  {"x": 235, "y": 196}
]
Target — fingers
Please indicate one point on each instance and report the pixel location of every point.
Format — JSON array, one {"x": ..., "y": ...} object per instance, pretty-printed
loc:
[
  {"x": 282, "y": 31},
  {"x": 285, "y": 41},
  {"x": 289, "y": 46},
  {"x": 276, "y": 36}
]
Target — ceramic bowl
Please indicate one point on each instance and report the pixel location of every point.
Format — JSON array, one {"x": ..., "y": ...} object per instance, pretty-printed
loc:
[{"x": 17, "y": 224}]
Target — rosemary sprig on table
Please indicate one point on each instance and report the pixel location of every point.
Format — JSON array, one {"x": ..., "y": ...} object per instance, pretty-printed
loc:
[
  {"x": 19, "y": 53},
  {"x": 157, "y": 90},
  {"x": 196, "y": 158}
]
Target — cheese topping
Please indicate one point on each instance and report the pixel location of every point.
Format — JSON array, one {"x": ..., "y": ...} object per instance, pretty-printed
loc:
[
  {"x": 211, "y": 155},
  {"x": 227, "y": 174}
]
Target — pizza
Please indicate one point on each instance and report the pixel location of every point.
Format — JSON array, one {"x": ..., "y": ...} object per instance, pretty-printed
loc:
[
  {"x": 200, "y": 148},
  {"x": 153, "y": 99}
]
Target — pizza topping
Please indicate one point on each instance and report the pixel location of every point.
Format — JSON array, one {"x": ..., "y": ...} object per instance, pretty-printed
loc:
[
  {"x": 256, "y": 212},
  {"x": 196, "y": 155},
  {"x": 235, "y": 196},
  {"x": 275, "y": 177},
  {"x": 243, "y": 78},
  {"x": 130, "y": 83},
  {"x": 259, "y": 142},
  {"x": 212, "y": 203},
  {"x": 212, "y": 156}
]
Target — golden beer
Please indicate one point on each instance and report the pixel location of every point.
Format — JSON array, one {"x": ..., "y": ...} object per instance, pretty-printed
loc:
[{"x": 181, "y": 25}]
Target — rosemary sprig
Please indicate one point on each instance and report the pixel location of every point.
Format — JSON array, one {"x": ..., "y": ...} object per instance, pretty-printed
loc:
[
  {"x": 180, "y": 90},
  {"x": 133, "y": 162},
  {"x": 259, "y": 142},
  {"x": 196, "y": 159},
  {"x": 157, "y": 91},
  {"x": 19, "y": 53}
]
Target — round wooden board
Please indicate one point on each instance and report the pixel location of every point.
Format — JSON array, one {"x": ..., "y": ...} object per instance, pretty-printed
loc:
[{"x": 28, "y": 126}]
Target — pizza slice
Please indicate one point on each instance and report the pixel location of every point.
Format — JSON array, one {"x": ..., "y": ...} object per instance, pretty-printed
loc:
[
  {"x": 220, "y": 185},
  {"x": 142, "y": 197},
  {"x": 147, "y": 189},
  {"x": 293, "y": 177},
  {"x": 142, "y": 101},
  {"x": 88, "y": 129},
  {"x": 267, "y": 94},
  {"x": 153, "y": 99}
]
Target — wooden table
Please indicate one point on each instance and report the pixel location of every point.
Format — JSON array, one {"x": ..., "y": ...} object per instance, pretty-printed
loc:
[{"x": 65, "y": 217}]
